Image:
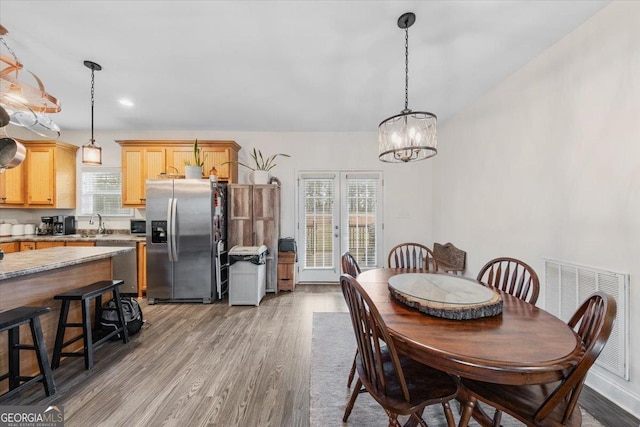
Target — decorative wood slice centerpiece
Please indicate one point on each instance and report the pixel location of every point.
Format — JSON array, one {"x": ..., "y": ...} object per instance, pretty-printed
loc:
[{"x": 446, "y": 296}]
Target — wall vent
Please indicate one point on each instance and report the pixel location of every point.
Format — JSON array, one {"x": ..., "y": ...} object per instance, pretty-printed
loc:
[{"x": 568, "y": 285}]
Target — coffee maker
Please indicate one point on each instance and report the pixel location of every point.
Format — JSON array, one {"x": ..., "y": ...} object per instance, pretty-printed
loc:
[
  {"x": 63, "y": 224},
  {"x": 46, "y": 226}
]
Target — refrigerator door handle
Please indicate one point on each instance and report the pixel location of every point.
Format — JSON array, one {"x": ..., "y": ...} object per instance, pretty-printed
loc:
[
  {"x": 168, "y": 230},
  {"x": 174, "y": 234}
]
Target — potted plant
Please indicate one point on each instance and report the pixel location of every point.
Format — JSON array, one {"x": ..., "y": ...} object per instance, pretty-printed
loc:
[
  {"x": 194, "y": 170},
  {"x": 260, "y": 171}
]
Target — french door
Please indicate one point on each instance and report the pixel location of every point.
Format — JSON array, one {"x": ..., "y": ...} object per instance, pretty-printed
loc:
[{"x": 338, "y": 211}]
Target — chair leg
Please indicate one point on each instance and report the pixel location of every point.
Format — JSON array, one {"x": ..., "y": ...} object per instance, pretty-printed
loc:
[
  {"x": 352, "y": 373},
  {"x": 448, "y": 414},
  {"x": 125, "y": 331},
  {"x": 352, "y": 400},
  {"x": 62, "y": 325},
  {"x": 14, "y": 357},
  {"x": 86, "y": 331},
  {"x": 41, "y": 353},
  {"x": 467, "y": 411},
  {"x": 393, "y": 419},
  {"x": 497, "y": 418}
]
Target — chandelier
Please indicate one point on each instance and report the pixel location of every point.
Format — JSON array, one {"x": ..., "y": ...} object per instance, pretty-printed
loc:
[{"x": 410, "y": 135}]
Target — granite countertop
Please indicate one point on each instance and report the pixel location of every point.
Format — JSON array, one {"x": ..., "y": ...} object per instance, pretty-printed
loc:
[
  {"x": 75, "y": 238},
  {"x": 29, "y": 262}
]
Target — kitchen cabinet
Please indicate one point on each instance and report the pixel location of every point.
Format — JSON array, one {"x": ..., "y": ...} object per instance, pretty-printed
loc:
[
  {"x": 254, "y": 220},
  {"x": 143, "y": 159},
  {"x": 10, "y": 247},
  {"x": 12, "y": 186},
  {"x": 27, "y": 246},
  {"x": 45, "y": 245},
  {"x": 46, "y": 178},
  {"x": 142, "y": 269},
  {"x": 79, "y": 244}
]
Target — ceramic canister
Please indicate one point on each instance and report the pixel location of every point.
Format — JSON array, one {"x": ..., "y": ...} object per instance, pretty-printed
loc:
[
  {"x": 29, "y": 229},
  {"x": 5, "y": 229},
  {"x": 17, "y": 230}
]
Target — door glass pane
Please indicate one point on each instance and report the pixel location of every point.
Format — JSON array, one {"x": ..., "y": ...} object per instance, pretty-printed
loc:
[
  {"x": 362, "y": 220},
  {"x": 319, "y": 197}
]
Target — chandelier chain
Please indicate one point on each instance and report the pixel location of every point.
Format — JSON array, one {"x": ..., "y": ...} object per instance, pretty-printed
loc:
[
  {"x": 10, "y": 50},
  {"x": 406, "y": 68}
]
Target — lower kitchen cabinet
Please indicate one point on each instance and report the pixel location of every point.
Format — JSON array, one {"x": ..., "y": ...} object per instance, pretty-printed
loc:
[
  {"x": 27, "y": 246},
  {"x": 10, "y": 247},
  {"x": 142, "y": 269},
  {"x": 44, "y": 245},
  {"x": 80, "y": 244}
]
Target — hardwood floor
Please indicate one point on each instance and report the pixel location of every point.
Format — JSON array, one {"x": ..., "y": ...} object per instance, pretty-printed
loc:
[{"x": 207, "y": 365}]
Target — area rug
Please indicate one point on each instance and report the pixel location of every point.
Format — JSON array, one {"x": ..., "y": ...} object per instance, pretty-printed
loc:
[{"x": 332, "y": 350}]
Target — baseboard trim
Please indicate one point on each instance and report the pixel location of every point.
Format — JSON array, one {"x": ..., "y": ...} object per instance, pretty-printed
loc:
[{"x": 618, "y": 396}]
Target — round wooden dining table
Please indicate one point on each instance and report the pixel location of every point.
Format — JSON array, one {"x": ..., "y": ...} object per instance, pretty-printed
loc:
[{"x": 522, "y": 345}]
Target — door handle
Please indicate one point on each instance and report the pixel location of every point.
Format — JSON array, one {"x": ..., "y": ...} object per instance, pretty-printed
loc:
[
  {"x": 174, "y": 229},
  {"x": 168, "y": 230}
]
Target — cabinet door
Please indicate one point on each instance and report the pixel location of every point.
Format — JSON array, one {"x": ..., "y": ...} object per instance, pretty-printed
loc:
[
  {"x": 142, "y": 269},
  {"x": 27, "y": 246},
  {"x": 240, "y": 219},
  {"x": 215, "y": 158},
  {"x": 12, "y": 186},
  {"x": 176, "y": 158},
  {"x": 78, "y": 244},
  {"x": 10, "y": 247},
  {"x": 40, "y": 178},
  {"x": 45, "y": 245},
  {"x": 266, "y": 227},
  {"x": 138, "y": 164}
]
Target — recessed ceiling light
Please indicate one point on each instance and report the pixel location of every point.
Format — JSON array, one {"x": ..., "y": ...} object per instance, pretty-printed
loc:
[{"x": 126, "y": 102}]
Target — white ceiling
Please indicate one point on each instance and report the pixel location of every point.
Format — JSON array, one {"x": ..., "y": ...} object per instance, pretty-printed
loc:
[{"x": 275, "y": 65}]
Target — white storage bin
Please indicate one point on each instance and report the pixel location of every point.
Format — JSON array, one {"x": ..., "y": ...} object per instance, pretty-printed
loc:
[{"x": 247, "y": 275}]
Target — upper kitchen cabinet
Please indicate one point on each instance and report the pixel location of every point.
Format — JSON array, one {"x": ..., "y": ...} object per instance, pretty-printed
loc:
[
  {"x": 143, "y": 159},
  {"x": 46, "y": 178}
]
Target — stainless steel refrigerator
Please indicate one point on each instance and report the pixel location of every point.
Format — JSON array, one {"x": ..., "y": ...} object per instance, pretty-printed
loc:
[{"x": 185, "y": 232}]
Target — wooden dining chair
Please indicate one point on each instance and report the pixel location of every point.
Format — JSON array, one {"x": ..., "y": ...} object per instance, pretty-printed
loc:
[
  {"x": 400, "y": 385},
  {"x": 512, "y": 276},
  {"x": 450, "y": 259},
  {"x": 412, "y": 255},
  {"x": 350, "y": 266},
  {"x": 550, "y": 404}
]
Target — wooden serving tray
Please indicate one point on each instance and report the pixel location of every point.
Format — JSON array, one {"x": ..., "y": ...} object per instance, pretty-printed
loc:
[{"x": 445, "y": 295}]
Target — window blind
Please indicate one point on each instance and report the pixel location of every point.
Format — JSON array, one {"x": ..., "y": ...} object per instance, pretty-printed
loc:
[{"x": 102, "y": 193}]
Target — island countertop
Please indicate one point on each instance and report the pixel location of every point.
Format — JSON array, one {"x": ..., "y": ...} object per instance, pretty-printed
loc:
[{"x": 28, "y": 262}]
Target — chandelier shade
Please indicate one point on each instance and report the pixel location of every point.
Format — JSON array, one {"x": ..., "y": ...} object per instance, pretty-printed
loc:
[{"x": 410, "y": 135}]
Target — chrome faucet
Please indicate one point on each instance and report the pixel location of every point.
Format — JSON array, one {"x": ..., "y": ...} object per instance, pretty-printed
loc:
[{"x": 100, "y": 223}]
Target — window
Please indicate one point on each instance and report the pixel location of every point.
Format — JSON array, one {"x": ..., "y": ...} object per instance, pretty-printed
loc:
[{"x": 102, "y": 192}]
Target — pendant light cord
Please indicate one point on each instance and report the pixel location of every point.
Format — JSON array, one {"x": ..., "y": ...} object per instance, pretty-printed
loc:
[
  {"x": 92, "y": 90},
  {"x": 406, "y": 68}
]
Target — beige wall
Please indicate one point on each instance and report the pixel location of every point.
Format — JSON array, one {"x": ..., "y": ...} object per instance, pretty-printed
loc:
[
  {"x": 547, "y": 164},
  {"x": 407, "y": 192}
]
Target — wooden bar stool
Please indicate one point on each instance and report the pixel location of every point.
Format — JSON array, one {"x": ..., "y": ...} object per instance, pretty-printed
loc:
[
  {"x": 10, "y": 321},
  {"x": 85, "y": 295}
]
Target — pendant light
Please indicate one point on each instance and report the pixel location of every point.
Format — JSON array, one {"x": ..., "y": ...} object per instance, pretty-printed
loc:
[
  {"x": 92, "y": 152},
  {"x": 410, "y": 135}
]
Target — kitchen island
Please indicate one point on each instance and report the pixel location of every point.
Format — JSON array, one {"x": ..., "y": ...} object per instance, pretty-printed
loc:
[{"x": 35, "y": 277}]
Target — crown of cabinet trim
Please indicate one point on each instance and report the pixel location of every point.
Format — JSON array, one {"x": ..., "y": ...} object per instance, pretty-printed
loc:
[
  {"x": 149, "y": 157},
  {"x": 178, "y": 143}
]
